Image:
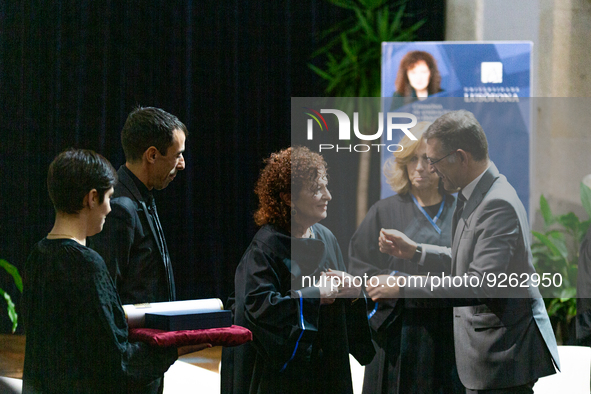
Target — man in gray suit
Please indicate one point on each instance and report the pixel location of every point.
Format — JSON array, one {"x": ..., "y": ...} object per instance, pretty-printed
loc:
[{"x": 503, "y": 338}]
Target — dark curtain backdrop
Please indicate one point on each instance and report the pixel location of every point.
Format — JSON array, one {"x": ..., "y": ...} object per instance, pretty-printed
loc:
[{"x": 70, "y": 72}]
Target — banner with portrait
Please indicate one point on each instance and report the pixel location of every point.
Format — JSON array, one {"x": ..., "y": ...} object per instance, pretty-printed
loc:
[{"x": 490, "y": 79}]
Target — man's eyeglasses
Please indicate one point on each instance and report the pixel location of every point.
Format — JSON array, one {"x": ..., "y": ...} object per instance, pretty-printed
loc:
[{"x": 433, "y": 162}]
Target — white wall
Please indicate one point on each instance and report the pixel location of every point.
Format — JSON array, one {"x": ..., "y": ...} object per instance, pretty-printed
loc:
[{"x": 561, "y": 33}]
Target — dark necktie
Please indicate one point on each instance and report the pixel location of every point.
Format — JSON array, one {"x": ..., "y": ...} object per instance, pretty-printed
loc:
[
  {"x": 458, "y": 213},
  {"x": 164, "y": 248}
]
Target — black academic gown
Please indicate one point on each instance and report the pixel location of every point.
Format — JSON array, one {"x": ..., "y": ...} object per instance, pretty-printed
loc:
[
  {"x": 415, "y": 347},
  {"x": 299, "y": 346},
  {"x": 76, "y": 328}
]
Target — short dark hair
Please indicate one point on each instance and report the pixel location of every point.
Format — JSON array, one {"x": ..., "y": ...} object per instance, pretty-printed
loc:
[
  {"x": 75, "y": 172},
  {"x": 146, "y": 127},
  {"x": 459, "y": 130}
]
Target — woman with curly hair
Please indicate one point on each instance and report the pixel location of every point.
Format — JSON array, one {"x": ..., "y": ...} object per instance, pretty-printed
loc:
[
  {"x": 303, "y": 331},
  {"x": 415, "y": 347}
]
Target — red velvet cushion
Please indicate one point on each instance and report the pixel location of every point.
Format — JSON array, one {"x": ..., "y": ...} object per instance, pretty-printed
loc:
[{"x": 224, "y": 336}]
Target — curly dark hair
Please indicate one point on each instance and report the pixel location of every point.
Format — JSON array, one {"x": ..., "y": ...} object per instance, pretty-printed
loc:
[
  {"x": 409, "y": 60},
  {"x": 287, "y": 171}
]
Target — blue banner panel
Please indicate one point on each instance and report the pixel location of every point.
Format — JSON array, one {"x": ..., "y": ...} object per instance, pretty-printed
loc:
[{"x": 428, "y": 79}]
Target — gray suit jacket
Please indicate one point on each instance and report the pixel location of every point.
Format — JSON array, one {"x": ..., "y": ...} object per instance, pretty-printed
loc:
[{"x": 503, "y": 337}]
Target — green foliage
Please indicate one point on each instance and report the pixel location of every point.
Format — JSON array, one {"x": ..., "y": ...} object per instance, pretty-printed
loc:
[
  {"x": 354, "y": 47},
  {"x": 353, "y": 52},
  {"x": 11, "y": 269},
  {"x": 556, "y": 250},
  {"x": 586, "y": 198}
]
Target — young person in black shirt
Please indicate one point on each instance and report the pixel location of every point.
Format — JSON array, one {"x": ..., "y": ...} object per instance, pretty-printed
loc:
[{"x": 75, "y": 325}]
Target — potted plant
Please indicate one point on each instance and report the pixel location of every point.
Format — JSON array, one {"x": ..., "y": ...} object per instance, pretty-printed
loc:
[
  {"x": 11, "y": 269},
  {"x": 556, "y": 251},
  {"x": 352, "y": 64}
]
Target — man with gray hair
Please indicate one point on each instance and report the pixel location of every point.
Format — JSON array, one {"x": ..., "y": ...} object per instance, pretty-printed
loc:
[{"x": 503, "y": 338}]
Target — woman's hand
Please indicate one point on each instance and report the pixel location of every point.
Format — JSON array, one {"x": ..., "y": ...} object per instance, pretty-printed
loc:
[
  {"x": 384, "y": 287},
  {"x": 344, "y": 283},
  {"x": 327, "y": 293}
]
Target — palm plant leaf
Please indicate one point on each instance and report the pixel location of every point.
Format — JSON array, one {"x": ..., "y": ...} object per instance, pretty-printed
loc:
[
  {"x": 12, "y": 315},
  {"x": 18, "y": 281},
  {"x": 13, "y": 271}
]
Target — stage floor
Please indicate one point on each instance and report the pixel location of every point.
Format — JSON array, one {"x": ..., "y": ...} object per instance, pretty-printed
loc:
[{"x": 12, "y": 357}]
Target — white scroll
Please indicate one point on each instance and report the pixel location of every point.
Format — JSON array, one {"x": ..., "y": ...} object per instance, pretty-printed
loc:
[{"x": 135, "y": 313}]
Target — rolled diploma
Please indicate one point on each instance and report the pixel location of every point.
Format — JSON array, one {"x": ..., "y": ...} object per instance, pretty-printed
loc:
[{"x": 136, "y": 313}]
